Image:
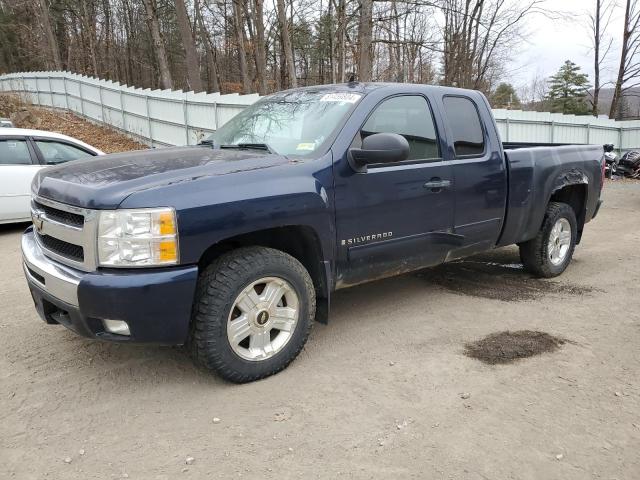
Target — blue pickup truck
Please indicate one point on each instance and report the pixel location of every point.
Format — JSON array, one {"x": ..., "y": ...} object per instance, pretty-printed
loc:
[{"x": 233, "y": 247}]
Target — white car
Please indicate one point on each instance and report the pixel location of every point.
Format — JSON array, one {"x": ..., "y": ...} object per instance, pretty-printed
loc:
[{"x": 22, "y": 153}]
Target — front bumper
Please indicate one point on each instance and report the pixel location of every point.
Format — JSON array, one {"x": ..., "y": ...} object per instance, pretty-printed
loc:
[{"x": 155, "y": 303}]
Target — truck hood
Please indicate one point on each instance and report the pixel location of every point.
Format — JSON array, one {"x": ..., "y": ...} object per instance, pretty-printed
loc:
[{"x": 104, "y": 182}]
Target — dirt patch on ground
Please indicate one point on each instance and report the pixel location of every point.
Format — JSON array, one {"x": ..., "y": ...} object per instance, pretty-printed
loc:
[
  {"x": 25, "y": 115},
  {"x": 497, "y": 276},
  {"x": 507, "y": 347}
]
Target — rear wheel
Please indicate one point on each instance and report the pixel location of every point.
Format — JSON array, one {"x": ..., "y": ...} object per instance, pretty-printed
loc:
[
  {"x": 550, "y": 252},
  {"x": 253, "y": 313}
]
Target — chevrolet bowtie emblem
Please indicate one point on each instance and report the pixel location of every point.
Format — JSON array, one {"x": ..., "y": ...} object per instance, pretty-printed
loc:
[{"x": 37, "y": 221}]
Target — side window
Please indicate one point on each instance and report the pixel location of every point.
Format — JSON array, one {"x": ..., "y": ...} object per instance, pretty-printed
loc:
[
  {"x": 409, "y": 116},
  {"x": 55, "y": 152},
  {"x": 14, "y": 152},
  {"x": 464, "y": 122}
]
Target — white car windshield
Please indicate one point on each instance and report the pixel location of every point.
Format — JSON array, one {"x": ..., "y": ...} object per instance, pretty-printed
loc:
[{"x": 288, "y": 123}]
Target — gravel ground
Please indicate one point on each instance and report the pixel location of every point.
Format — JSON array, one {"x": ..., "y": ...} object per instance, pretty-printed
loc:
[{"x": 383, "y": 391}]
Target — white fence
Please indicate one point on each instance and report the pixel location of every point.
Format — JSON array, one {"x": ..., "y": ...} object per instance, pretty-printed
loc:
[
  {"x": 156, "y": 117},
  {"x": 544, "y": 127},
  {"x": 170, "y": 117}
]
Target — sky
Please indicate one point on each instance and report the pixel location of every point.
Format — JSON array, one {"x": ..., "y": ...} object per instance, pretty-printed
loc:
[{"x": 551, "y": 42}]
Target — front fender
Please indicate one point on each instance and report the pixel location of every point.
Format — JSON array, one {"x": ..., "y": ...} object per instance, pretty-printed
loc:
[
  {"x": 213, "y": 208},
  {"x": 205, "y": 226}
]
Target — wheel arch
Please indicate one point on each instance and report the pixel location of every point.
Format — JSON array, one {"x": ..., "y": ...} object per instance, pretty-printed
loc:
[
  {"x": 574, "y": 195},
  {"x": 300, "y": 241}
]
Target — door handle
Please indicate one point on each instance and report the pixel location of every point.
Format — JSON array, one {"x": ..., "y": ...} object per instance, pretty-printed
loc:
[{"x": 437, "y": 184}]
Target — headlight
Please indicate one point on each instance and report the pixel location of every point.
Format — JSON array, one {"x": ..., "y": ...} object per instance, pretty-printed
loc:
[{"x": 138, "y": 238}]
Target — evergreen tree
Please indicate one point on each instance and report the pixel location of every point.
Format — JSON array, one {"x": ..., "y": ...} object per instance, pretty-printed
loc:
[
  {"x": 505, "y": 97},
  {"x": 568, "y": 90}
]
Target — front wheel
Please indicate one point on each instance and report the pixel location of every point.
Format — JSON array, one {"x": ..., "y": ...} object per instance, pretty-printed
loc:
[
  {"x": 550, "y": 252},
  {"x": 253, "y": 313}
]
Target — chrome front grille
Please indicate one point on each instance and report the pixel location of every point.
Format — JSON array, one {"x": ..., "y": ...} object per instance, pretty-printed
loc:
[
  {"x": 60, "y": 247},
  {"x": 66, "y": 233},
  {"x": 61, "y": 216}
]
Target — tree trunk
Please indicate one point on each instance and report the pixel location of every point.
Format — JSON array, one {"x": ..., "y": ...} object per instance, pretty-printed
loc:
[
  {"x": 238, "y": 19},
  {"x": 617, "y": 91},
  {"x": 89, "y": 20},
  {"x": 596, "y": 62},
  {"x": 342, "y": 40},
  {"x": 129, "y": 60},
  {"x": 212, "y": 63},
  {"x": 158, "y": 44},
  {"x": 108, "y": 64},
  {"x": 286, "y": 44},
  {"x": 365, "y": 31},
  {"x": 260, "y": 53},
  {"x": 332, "y": 60},
  {"x": 51, "y": 38},
  {"x": 189, "y": 45}
]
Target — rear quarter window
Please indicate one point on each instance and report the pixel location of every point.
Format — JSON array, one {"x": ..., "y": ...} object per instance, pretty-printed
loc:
[{"x": 465, "y": 125}]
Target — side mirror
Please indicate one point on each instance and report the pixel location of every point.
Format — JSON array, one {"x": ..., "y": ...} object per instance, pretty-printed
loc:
[
  {"x": 608, "y": 147},
  {"x": 380, "y": 148}
]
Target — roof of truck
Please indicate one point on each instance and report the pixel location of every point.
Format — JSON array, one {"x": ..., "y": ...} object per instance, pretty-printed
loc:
[{"x": 367, "y": 87}]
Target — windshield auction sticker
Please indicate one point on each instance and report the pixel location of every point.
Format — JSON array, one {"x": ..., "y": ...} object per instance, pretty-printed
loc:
[
  {"x": 306, "y": 146},
  {"x": 341, "y": 97}
]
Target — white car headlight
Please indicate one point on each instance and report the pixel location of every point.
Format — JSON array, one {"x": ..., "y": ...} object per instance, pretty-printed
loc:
[{"x": 138, "y": 237}]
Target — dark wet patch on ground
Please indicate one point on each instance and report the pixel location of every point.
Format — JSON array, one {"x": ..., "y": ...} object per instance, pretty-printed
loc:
[
  {"x": 497, "y": 276},
  {"x": 507, "y": 347}
]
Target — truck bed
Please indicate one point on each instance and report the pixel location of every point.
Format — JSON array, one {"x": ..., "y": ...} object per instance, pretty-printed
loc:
[{"x": 536, "y": 172}]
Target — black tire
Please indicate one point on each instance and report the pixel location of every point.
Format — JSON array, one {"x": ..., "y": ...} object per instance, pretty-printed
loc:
[
  {"x": 535, "y": 254},
  {"x": 218, "y": 287}
]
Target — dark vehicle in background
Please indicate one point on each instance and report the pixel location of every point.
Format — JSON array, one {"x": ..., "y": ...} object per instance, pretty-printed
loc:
[
  {"x": 629, "y": 165},
  {"x": 234, "y": 247},
  {"x": 611, "y": 160}
]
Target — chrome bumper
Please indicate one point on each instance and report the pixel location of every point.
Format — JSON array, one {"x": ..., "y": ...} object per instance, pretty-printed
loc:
[{"x": 55, "y": 279}]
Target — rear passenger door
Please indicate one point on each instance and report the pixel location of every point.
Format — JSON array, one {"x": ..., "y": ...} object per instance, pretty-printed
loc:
[
  {"x": 18, "y": 166},
  {"x": 479, "y": 172}
]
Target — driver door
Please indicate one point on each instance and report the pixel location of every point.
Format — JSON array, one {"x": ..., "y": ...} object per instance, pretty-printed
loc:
[{"x": 395, "y": 217}]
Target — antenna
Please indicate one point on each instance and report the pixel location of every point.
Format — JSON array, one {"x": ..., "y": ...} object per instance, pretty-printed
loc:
[{"x": 352, "y": 78}]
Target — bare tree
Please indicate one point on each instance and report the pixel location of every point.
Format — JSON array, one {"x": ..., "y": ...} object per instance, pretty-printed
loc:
[
  {"x": 158, "y": 43},
  {"x": 258, "y": 45},
  {"x": 365, "y": 32},
  {"x": 212, "y": 64},
  {"x": 260, "y": 53},
  {"x": 629, "y": 69},
  {"x": 238, "y": 19},
  {"x": 189, "y": 45},
  {"x": 479, "y": 36},
  {"x": 341, "y": 34},
  {"x": 598, "y": 24},
  {"x": 286, "y": 43},
  {"x": 48, "y": 30}
]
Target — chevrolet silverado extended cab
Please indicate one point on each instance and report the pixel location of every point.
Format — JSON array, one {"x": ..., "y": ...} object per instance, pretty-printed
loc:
[{"x": 234, "y": 247}]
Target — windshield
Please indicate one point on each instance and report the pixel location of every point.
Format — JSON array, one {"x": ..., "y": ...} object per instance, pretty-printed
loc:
[{"x": 288, "y": 123}]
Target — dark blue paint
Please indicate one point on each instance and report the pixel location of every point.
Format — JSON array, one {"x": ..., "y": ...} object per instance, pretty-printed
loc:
[
  {"x": 493, "y": 200},
  {"x": 155, "y": 303}
]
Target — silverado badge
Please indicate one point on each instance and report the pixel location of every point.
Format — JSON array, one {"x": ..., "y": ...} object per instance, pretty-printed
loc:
[{"x": 366, "y": 238}]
